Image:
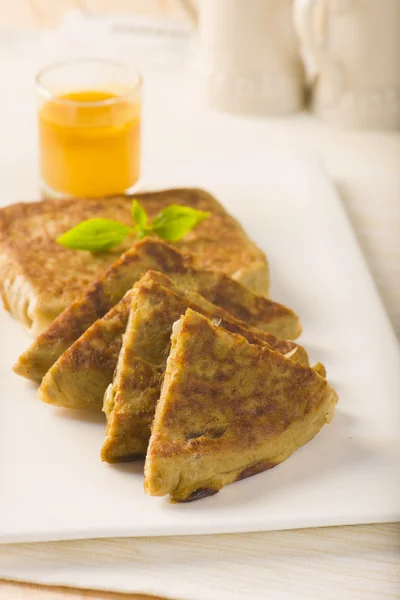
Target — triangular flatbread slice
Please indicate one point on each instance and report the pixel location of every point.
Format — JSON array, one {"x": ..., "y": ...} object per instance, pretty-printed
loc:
[
  {"x": 131, "y": 399},
  {"x": 228, "y": 410},
  {"x": 102, "y": 295},
  {"x": 79, "y": 378}
]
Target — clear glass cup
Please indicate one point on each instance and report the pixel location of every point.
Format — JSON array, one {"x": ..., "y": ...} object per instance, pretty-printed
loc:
[{"x": 89, "y": 114}]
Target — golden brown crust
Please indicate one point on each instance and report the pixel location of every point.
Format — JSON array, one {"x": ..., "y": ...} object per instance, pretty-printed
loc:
[
  {"x": 228, "y": 409},
  {"x": 95, "y": 302},
  {"x": 156, "y": 305},
  {"x": 54, "y": 276},
  {"x": 80, "y": 376},
  {"x": 149, "y": 254},
  {"x": 320, "y": 369}
]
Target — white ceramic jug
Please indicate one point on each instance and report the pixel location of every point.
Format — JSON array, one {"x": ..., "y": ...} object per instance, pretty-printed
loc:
[
  {"x": 249, "y": 56},
  {"x": 356, "y": 47}
]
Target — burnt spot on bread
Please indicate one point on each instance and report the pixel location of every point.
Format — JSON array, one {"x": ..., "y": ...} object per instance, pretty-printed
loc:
[
  {"x": 213, "y": 434},
  {"x": 199, "y": 494},
  {"x": 98, "y": 300},
  {"x": 165, "y": 257},
  {"x": 255, "y": 469},
  {"x": 109, "y": 458}
]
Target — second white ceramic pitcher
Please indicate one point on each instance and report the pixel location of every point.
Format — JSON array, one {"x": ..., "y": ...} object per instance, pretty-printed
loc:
[{"x": 356, "y": 47}]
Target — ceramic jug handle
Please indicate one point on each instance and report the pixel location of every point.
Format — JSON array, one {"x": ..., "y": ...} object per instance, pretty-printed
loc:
[{"x": 305, "y": 16}]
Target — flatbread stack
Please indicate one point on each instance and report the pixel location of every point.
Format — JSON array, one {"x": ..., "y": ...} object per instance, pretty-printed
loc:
[
  {"x": 39, "y": 278},
  {"x": 194, "y": 368}
]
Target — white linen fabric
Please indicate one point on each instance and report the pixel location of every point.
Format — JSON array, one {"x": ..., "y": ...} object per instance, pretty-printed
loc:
[{"x": 315, "y": 564}]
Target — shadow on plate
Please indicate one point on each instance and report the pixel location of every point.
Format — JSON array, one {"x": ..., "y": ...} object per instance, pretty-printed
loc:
[
  {"x": 136, "y": 467},
  {"x": 83, "y": 416}
]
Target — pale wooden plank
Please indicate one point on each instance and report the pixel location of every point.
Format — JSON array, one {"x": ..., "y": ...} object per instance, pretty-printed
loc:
[{"x": 26, "y": 591}]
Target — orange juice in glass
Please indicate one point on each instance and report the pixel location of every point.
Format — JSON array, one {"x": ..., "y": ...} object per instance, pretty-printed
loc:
[{"x": 89, "y": 128}]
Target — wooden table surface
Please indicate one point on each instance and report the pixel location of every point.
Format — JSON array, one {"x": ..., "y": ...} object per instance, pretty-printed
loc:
[
  {"x": 30, "y": 14},
  {"x": 27, "y": 591}
]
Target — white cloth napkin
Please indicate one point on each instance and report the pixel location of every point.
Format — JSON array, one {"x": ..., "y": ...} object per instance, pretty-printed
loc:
[{"x": 274, "y": 565}]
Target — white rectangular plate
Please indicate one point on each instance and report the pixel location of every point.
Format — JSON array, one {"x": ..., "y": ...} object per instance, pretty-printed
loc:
[{"x": 52, "y": 482}]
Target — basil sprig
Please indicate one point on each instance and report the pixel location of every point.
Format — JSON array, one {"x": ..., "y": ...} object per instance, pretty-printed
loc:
[{"x": 99, "y": 235}]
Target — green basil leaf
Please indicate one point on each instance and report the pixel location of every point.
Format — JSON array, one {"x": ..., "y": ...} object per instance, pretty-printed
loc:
[
  {"x": 175, "y": 221},
  {"x": 141, "y": 233},
  {"x": 96, "y": 235},
  {"x": 139, "y": 215}
]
